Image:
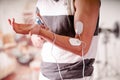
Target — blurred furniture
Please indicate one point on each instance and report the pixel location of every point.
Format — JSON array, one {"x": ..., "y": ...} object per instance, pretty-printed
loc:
[
  {"x": 27, "y": 59},
  {"x": 7, "y": 65},
  {"x": 22, "y": 72}
]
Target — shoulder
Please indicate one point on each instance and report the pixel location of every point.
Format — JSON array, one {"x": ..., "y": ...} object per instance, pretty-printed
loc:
[{"x": 87, "y": 3}]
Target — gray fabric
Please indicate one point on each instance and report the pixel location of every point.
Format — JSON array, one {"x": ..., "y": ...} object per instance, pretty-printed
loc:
[
  {"x": 63, "y": 25},
  {"x": 68, "y": 70}
]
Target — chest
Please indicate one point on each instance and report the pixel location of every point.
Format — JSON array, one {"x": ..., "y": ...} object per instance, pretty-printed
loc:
[{"x": 53, "y": 7}]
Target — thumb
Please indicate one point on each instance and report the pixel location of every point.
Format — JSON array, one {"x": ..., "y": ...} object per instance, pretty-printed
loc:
[
  {"x": 13, "y": 21},
  {"x": 9, "y": 21},
  {"x": 30, "y": 33}
]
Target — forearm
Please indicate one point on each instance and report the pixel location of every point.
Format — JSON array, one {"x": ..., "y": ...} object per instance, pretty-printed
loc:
[
  {"x": 60, "y": 41},
  {"x": 86, "y": 11}
]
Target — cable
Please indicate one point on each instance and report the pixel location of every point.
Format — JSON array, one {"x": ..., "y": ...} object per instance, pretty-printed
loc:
[
  {"x": 55, "y": 58},
  {"x": 83, "y": 71},
  {"x": 39, "y": 20},
  {"x": 83, "y": 46}
]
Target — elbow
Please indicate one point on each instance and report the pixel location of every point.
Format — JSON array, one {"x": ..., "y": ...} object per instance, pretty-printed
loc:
[{"x": 85, "y": 48}]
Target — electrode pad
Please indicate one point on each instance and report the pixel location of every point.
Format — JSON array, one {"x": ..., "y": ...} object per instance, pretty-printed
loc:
[
  {"x": 75, "y": 42},
  {"x": 79, "y": 27}
]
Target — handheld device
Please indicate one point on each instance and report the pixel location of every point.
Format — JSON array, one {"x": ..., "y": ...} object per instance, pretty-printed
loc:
[{"x": 38, "y": 19}]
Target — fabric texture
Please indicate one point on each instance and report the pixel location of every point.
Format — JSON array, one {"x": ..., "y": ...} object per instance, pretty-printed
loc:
[{"x": 59, "y": 17}]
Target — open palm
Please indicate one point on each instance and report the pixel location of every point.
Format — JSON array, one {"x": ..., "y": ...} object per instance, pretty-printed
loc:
[{"x": 20, "y": 28}]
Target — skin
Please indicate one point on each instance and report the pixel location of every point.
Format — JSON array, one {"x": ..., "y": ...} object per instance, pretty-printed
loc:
[{"x": 86, "y": 11}]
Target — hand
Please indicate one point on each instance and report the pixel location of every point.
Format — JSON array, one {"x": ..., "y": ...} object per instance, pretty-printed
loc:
[
  {"x": 37, "y": 41},
  {"x": 20, "y": 28},
  {"x": 35, "y": 29}
]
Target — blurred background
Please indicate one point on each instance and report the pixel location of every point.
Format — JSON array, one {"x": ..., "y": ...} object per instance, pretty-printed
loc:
[{"x": 20, "y": 60}]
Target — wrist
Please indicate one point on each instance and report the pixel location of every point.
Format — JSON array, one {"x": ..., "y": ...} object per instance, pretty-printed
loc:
[
  {"x": 54, "y": 38},
  {"x": 47, "y": 35},
  {"x": 40, "y": 31}
]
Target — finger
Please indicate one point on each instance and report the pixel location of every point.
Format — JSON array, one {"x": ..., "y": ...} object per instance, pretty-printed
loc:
[
  {"x": 13, "y": 20},
  {"x": 47, "y": 28},
  {"x": 30, "y": 33},
  {"x": 9, "y": 21},
  {"x": 44, "y": 27}
]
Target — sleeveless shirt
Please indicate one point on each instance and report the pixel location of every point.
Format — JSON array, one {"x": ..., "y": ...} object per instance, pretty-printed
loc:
[{"x": 59, "y": 17}]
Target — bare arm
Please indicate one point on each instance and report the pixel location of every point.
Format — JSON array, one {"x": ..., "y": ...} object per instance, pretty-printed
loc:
[{"x": 86, "y": 11}]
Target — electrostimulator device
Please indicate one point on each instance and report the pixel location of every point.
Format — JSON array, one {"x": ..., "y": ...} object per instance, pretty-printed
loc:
[{"x": 38, "y": 19}]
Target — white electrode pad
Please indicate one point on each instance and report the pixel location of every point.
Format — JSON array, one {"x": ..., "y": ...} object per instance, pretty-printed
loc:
[
  {"x": 78, "y": 27},
  {"x": 75, "y": 42}
]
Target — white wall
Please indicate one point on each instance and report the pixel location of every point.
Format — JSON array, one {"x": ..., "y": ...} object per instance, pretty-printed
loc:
[
  {"x": 11, "y": 9},
  {"x": 108, "y": 54},
  {"x": 110, "y": 12}
]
